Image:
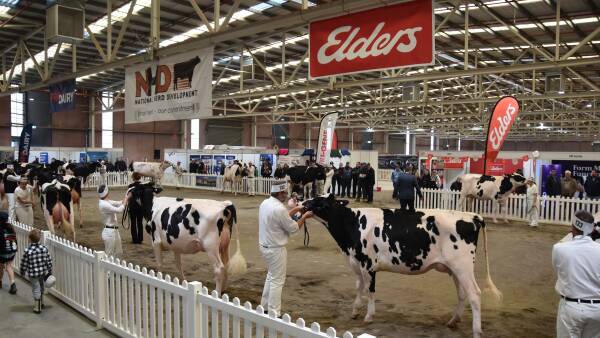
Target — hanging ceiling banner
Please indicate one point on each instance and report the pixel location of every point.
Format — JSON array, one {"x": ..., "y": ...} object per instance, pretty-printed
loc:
[
  {"x": 62, "y": 96},
  {"x": 377, "y": 39},
  {"x": 326, "y": 138},
  {"x": 177, "y": 87}
]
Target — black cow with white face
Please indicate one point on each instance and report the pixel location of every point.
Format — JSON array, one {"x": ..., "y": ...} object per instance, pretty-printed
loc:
[
  {"x": 408, "y": 243},
  {"x": 188, "y": 226},
  {"x": 494, "y": 188}
]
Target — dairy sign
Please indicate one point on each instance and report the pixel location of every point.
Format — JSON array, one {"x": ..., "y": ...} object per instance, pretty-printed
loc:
[
  {"x": 177, "y": 87},
  {"x": 62, "y": 96},
  {"x": 386, "y": 37},
  {"x": 504, "y": 115}
]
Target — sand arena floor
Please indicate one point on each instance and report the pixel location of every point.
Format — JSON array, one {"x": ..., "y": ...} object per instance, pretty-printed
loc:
[{"x": 320, "y": 287}]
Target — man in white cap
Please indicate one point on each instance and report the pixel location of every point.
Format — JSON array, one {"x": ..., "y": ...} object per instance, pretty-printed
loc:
[
  {"x": 108, "y": 212},
  {"x": 533, "y": 203},
  {"x": 576, "y": 263},
  {"x": 275, "y": 225},
  {"x": 251, "y": 183}
]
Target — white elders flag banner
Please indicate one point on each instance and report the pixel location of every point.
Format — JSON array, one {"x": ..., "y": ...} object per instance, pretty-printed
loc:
[
  {"x": 326, "y": 138},
  {"x": 177, "y": 87}
]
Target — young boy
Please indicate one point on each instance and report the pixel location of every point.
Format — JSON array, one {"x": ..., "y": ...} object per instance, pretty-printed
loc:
[{"x": 36, "y": 264}]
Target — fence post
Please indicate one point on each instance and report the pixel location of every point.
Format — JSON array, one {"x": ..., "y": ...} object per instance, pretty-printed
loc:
[
  {"x": 192, "y": 321},
  {"x": 99, "y": 288}
]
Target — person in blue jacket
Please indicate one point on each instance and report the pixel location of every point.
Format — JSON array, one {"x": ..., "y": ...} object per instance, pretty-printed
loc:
[{"x": 407, "y": 184}]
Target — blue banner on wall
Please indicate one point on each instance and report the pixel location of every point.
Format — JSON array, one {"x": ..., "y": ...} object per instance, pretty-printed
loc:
[
  {"x": 44, "y": 158},
  {"x": 82, "y": 157},
  {"x": 62, "y": 96},
  {"x": 25, "y": 143},
  {"x": 206, "y": 157},
  {"x": 230, "y": 157},
  {"x": 266, "y": 157},
  {"x": 194, "y": 157},
  {"x": 97, "y": 155},
  {"x": 578, "y": 168}
]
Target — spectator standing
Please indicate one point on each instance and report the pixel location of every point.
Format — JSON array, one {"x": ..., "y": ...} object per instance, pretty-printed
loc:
[
  {"x": 394, "y": 178},
  {"x": 592, "y": 185},
  {"x": 8, "y": 250},
  {"x": 279, "y": 173},
  {"x": 456, "y": 185},
  {"x": 266, "y": 170},
  {"x": 340, "y": 171},
  {"x": 369, "y": 182},
  {"x": 37, "y": 265},
  {"x": 346, "y": 180},
  {"x": 553, "y": 184},
  {"x": 355, "y": 173},
  {"x": 407, "y": 184},
  {"x": 578, "y": 285},
  {"x": 436, "y": 180},
  {"x": 334, "y": 178},
  {"x": 568, "y": 185},
  {"x": 194, "y": 167}
]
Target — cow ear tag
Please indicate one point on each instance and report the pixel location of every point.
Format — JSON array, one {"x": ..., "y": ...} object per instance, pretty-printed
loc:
[{"x": 343, "y": 202}]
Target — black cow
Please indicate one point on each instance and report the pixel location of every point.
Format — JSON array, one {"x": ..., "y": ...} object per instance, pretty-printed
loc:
[
  {"x": 83, "y": 170},
  {"x": 185, "y": 70},
  {"x": 409, "y": 243}
]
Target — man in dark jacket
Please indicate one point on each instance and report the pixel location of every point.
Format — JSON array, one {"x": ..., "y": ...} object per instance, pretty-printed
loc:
[
  {"x": 407, "y": 184},
  {"x": 369, "y": 183},
  {"x": 394, "y": 177},
  {"x": 456, "y": 185},
  {"x": 553, "y": 184},
  {"x": 592, "y": 185},
  {"x": 355, "y": 173},
  {"x": 346, "y": 179},
  {"x": 194, "y": 167}
]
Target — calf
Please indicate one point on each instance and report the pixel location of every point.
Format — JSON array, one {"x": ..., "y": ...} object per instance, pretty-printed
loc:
[
  {"x": 154, "y": 170},
  {"x": 188, "y": 226},
  {"x": 408, "y": 243},
  {"x": 495, "y": 188}
]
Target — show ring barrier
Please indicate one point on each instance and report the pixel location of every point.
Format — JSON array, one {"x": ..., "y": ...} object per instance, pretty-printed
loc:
[{"x": 130, "y": 301}]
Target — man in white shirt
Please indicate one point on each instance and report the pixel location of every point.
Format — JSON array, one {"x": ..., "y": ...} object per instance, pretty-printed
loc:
[
  {"x": 178, "y": 174},
  {"x": 533, "y": 203},
  {"x": 102, "y": 171},
  {"x": 11, "y": 181},
  {"x": 577, "y": 265},
  {"x": 108, "y": 213},
  {"x": 275, "y": 225},
  {"x": 251, "y": 183},
  {"x": 24, "y": 202}
]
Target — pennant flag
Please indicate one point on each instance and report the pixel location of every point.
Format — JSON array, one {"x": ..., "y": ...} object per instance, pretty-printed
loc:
[
  {"x": 25, "y": 143},
  {"x": 326, "y": 138},
  {"x": 504, "y": 115}
]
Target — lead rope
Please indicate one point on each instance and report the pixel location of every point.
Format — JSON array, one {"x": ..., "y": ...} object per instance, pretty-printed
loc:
[{"x": 306, "y": 235}]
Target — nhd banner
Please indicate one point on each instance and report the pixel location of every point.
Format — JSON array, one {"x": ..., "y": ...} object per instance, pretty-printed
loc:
[
  {"x": 326, "y": 138},
  {"x": 62, "y": 96},
  {"x": 174, "y": 88},
  {"x": 25, "y": 143},
  {"x": 504, "y": 115}
]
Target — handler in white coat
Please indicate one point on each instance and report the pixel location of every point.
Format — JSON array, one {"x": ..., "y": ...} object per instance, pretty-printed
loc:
[
  {"x": 251, "y": 182},
  {"x": 533, "y": 203},
  {"x": 328, "y": 177},
  {"x": 108, "y": 212},
  {"x": 274, "y": 228},
  {"x": 578, "y": 282}
]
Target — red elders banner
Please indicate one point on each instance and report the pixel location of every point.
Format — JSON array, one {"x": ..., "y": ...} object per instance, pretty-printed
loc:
[
  {"x": 497, "y": 167},
  {"x": 504, "y": 115},
  {"x": 386, "y": 37}
]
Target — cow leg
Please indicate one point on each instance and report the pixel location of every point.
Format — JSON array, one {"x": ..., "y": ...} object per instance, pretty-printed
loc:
[
  {"x": 79, "y": 212},
  {"x": 157, "y": 255},
  {"x": 370, "y": 278},
  {"x": 178, "y": 264},
  {"x": 504, "y": 206},
  {"x": 49, "y": 222},
  {"x": 495, "y": 210},
  {"x": 219, "y": 270},
  {"x": 466, "y": 278},
  {"x": 460, "y": 308},
  {"x": 360, "y": 288}
]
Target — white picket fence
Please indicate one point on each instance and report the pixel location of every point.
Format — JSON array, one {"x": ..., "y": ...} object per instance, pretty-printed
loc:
[
  {"x": 131, "y": 301},
  {"x": 557, "y": 210}
]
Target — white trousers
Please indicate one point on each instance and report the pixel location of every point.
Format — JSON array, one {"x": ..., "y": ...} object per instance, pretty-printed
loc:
[
  {"x": 327, "y": 185},
  {"x": 177, "y": 180},
  {"x": 276, "y": 260},
  {"x": 112, "y": 242},
  {"x": 320, "y": 186},
  {"x": 11, "y": 205},
  {"x": 24, "y": 214},
  {"x": 533, "y": 215},
  {"x": 575, "y": 320},
  {"x": 251, "y": 186}
]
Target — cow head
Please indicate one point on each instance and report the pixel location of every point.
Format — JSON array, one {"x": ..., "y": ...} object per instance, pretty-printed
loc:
[
  {"x": 510, "y": 182},
  {"x": 325, "y": 208},
  {"x": 165, "y": 164}
]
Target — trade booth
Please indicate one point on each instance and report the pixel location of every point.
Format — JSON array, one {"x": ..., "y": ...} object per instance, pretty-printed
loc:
[
  {"x": 46, "y": 154},
  {"x": 214, "y": 156}
]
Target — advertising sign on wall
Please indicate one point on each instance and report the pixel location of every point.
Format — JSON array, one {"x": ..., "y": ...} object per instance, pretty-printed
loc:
[
  {"x": 62, "y": 96},
  {"x": 578, "y": 168},
  {"x": 173, "y": 88},
  {"x": 206, "y": 181},
  {"x": 498, "y": 167},
  {"x": 25, "y": 143},
  {"x": 44, "y": 157},
  {"x": 387, "y": 37}
]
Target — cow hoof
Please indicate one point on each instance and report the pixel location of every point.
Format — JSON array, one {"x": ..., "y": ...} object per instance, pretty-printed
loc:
[
  {"x": 453, "y": 323},
  {"x": 368, "y": 319},
  {"x": 354, "y": 315}
]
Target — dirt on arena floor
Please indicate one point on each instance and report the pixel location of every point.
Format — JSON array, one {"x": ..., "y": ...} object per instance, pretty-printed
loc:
[{"x": 320, "y": 286}]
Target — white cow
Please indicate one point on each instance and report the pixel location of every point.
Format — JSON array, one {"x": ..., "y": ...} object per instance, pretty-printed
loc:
[
  {"x": 409, "y": 243},
  {"x": 494, "y": 188},
  {"x": 188, "y": 226},
  {"x": 233, "y": 177},
  {"x": 154, "y": 170}
]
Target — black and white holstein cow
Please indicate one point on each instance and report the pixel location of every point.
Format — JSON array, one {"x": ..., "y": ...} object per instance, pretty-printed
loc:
[
  {"x": 233, "y": 177},
  {"x": 408, "y": 243},
  {"x": 494, "y": 188},
  {"x": 154, "y": 170},
  {"x": 304, "y": 177},
  {"x": 57, "y": 203},
  {"x": 188, "y": 226}
]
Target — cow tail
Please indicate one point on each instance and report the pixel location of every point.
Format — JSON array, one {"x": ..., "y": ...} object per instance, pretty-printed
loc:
[
  {"x": 490, "y": 283},
  {"x": 236, "y": 265}
]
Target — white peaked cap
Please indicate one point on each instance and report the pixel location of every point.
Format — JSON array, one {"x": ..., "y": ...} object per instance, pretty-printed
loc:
[
  {"x": 582, "y": 225},
  {"x": 102, "y": 191},
  {"x": 279, "y": 187}
]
